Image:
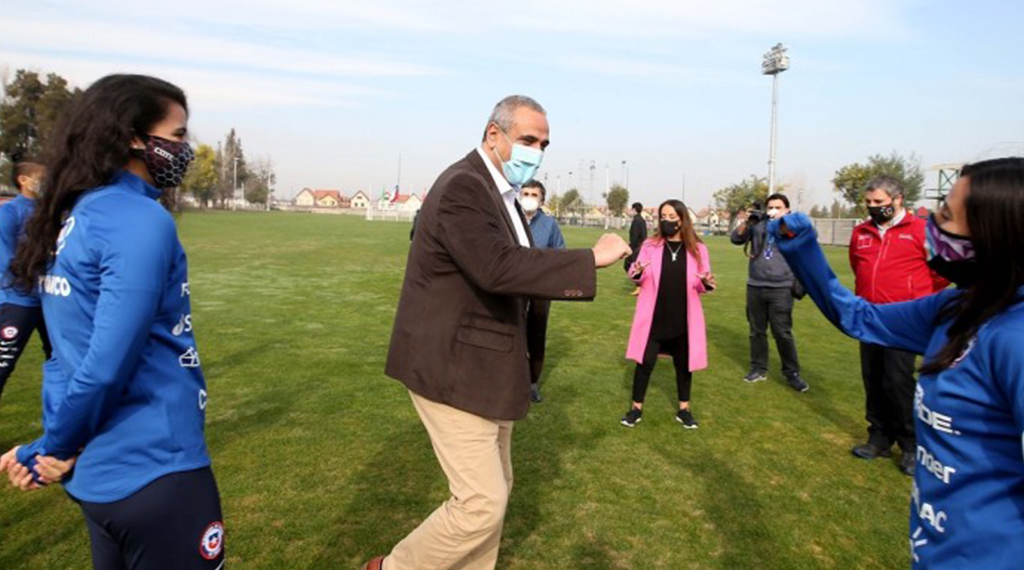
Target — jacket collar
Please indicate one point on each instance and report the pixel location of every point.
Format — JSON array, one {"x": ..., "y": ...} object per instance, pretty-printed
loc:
[
  {"x": 133, "y": 183},
  {"x": 476, "y": 160}
]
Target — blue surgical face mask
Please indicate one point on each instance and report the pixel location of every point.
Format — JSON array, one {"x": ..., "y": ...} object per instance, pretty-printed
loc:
[{"x": 522, "y": 165}]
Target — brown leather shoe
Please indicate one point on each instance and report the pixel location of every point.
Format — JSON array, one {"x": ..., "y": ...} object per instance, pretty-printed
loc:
[{"x": 375, "y": 563}]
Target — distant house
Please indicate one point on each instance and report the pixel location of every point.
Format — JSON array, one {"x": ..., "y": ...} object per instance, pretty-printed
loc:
[
  {"x": 360, "y": 200},
  {"x": 321, "y": 199},
  {"x": 330, "y": 199},
  {"x": 922, "y": 212},
  {"x": 305, "y": 198},
  {"x": 407, "y": 203}
]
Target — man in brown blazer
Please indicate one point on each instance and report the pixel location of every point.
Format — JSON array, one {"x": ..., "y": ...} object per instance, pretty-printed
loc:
[{"x": 459, "y": 338}]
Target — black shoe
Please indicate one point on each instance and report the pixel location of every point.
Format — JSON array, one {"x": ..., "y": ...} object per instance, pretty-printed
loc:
[
  {"x": 907, "y": 462},
  {"x": 755, "y": 376},
  {"x": 797, "y": 383},
  {"x": 535, "y": 394},
  {"x": 632, "y": 417},
  {"x": 686, "y": 418},
  {"x": 870, "y": 451}
]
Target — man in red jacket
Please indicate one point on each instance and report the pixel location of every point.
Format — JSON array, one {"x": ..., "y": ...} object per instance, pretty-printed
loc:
[{"x": 889, "y": 261}]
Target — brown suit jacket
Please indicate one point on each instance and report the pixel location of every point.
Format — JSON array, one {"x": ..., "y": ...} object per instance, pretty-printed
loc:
[{"x": 459, "y": 336}]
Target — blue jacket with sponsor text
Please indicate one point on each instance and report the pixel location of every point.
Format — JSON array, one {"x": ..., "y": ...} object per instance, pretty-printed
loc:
[
  {"x": 13, "y": 216},
  {"x": 967, "y": 507},
  {"x": 127, "y": 389}
]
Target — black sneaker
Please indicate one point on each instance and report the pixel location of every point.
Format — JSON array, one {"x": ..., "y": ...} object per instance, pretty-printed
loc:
[
  {"x": 870, "y": 451},
  {"x": 685, "y": 417},
  {"x": 535, "y": 394},
  {"x": 755, "y": 376},
  {"x": 632, "y": 417},
  {"x": 797, "y": 383}
]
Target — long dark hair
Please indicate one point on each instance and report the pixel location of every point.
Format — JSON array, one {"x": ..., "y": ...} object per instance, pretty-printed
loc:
[
  {"x": 995, "y": 217},
  {"x": 690, "y": 238},
  {"x": 89, "y": 146}
]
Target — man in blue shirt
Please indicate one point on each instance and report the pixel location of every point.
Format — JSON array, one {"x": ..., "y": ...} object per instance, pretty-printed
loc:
[
  {"x": 19, "y": 311},
  {"x": 546, "y": 235}
]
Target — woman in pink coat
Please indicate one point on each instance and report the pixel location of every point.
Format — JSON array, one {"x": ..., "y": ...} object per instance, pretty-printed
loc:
[{"x": 672, "y": 270}]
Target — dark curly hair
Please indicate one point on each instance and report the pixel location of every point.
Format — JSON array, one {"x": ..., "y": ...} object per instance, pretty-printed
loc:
[{"x": 87, "y": 149}]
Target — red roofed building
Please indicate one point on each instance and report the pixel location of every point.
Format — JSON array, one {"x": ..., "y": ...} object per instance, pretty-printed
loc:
[{"x": 322, "y": 198}]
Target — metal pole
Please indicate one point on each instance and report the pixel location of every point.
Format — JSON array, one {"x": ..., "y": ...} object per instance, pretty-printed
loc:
[{"x": 771, "y": 157}]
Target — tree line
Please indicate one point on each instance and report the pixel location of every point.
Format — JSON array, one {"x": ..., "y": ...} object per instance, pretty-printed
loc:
[
  {"x": 849, "y": 182},
  {"x": 32, "y": 104}
]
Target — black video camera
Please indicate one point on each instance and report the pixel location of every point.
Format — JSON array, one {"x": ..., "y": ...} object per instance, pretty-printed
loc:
[{"x": 756, "y": 214}]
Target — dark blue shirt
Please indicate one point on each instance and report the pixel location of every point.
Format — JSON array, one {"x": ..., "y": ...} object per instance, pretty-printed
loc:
[
  {"x": 127, "y": 384},
  {"x": 546, "y": 233}
]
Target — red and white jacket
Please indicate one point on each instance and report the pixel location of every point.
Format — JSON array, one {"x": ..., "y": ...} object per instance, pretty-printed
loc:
[{"x": 892, "y": 267}]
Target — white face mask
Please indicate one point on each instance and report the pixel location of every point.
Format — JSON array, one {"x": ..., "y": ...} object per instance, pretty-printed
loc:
[
  {"x": 529, "y": 204},
  {"x": 774, "y": 213}
]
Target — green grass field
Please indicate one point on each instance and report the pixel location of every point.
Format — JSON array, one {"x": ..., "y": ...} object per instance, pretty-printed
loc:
[{"x": 322, "y": 461}]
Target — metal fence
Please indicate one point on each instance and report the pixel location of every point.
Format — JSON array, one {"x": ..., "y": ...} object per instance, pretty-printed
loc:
[{"x": 834, "y": 231}]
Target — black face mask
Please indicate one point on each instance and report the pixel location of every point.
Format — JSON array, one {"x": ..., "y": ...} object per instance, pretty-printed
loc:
[
  {"x": 165, "y": 159},
  {"x": 951, "y": 256},
  {"x": 667, "y": 228},
  {"x": 882, "y": 214}
]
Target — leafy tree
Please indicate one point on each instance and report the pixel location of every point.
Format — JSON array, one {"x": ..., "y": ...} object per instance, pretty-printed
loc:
[
  {"x": 572, "y": 201},
  {"x": 850, "y": 180},
  {"x": 28, "y": 113},
  {"x": 739, "y": 197},
  {"x": 261, "y": 182},
  {"x": 617, "y": 199},
  {"x": 839, "y": 211},
  {"x": 55, "y": 100},
  {"x": 19, "y": 125},
  {"x": 229, "y": 176},
  {"x": 553, "y": 203},
  {"x": 203, "y": 176}
]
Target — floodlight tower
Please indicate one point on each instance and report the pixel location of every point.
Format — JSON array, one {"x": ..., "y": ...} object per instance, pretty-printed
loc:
[{"x": 775, "y": 62}]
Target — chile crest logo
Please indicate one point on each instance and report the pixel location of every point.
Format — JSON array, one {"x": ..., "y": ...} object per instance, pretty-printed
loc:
[{"x": 212, "y": 542}]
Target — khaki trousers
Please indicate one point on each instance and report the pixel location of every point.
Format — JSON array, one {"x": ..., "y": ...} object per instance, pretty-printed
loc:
[{"x": 464, "y": 533}]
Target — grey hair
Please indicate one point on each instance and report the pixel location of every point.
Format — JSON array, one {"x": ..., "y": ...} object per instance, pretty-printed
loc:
[
  {"x": 888, "y": 184},
  {"x": 505, "y": 110}
]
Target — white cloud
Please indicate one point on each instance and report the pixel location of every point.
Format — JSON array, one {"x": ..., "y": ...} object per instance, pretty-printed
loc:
[
  {"x": 108, "y": 40},
  {"x": 209, "y": 89}
]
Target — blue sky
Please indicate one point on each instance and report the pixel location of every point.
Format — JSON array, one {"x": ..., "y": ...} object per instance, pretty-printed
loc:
[{"x": 333, "y": 92}]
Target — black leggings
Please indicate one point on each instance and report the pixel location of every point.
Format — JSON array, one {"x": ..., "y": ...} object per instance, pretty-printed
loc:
[
  {"x": 16, "y": 326},
  {"x": 680, "y": 351},
  {"x": 174, "y": 523}
]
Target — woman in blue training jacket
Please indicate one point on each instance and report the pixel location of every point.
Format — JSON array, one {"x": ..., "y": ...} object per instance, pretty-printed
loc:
[
  {"x": 19, "y": 312},
  {"x": 967, "y": 508},
  {"x": 126, "y": 399}
]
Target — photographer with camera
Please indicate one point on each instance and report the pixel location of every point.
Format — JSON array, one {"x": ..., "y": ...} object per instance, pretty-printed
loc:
[{"x": 770, "y": 291}]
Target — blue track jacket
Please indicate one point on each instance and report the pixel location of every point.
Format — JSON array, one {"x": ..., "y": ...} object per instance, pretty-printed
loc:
[
  {"x": 127, "y": 389},
  {"x": 967, "y": 507},
  {"x": 13, "y": 216}
]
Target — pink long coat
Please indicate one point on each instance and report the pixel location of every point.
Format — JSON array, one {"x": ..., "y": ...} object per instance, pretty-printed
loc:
[{"x": 651, "y": 252}]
